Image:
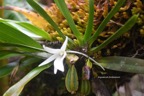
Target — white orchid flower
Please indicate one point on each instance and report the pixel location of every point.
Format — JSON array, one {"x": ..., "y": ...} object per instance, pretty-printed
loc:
[{"x": 58, "y": 56}]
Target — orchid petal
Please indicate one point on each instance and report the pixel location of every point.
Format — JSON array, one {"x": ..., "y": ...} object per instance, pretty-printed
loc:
[
  {"x": 64, "y": 44},
  {"x": 58, "y": 63},
  {"x": 43, "y": 54},
  {"x": 55, "y": 70},
  {"x": 51, "y": 50},
  {"x": 51, "y": 58}
]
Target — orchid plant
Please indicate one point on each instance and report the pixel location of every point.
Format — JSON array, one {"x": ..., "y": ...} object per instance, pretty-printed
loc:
[
  {"x": 51, "y": 54},
  {"x": 59, "y": 55},
  {"x": 30, "y": 36}
]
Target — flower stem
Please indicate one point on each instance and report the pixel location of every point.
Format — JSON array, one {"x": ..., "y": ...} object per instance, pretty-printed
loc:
[{"x": 80, "y": 53}]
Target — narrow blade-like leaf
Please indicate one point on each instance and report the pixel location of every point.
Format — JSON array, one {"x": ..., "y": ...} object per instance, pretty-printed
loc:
[
  {"x": 63, "y": 8},
  {"x": 40, "y": 10},
  {"x": 9, "y": 34},
  {"x": 4, "y": 54},
  {"x": 127, "y": 26},
  {"x": 106, "y": 20},
  {"x": 31, "y": 29},
  {"x": 90, "y": 21},
  {"x": 5, "y": 70},
  {"x": 25, "y": 62},
  {"x": 124, "y": 64},
  {"x": 21, "y": 47},
  {"x": 16, "y": 89}
]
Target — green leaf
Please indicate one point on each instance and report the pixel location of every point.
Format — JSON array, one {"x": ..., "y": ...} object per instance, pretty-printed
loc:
[
  {"x": 127, "y": 26},
  {"x": 28, "y": 62},
  {"x": 16, "y": 89},
  {"x": 25, "y": 62},
  {"x": 124, "y": 64},
  {"x": 106, "y": 20},
  {"x": 6, "y": 70},
  {"x": 40, "y": 10},
  {"x": 35, "y": 30},
  {"x": 22, "y": 47},
  {"x": 90, "y": 21},
  {"x": 63, "y": 8},
  {"x": 7, "y": 20},
  {"x": 30, "y": 29},
  {"x": 4, "y": 54},
  {"x": 9, "y": 34}
]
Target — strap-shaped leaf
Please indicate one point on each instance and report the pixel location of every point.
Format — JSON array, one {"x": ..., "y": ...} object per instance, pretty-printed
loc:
[
  {"x": 28, "y": 29},
  {"x": 5, "y": 70},
  {"x": 90, "y": 21},
  {"x": 16, "y": 89},
  {"x": 63, "y": 8},
  {"x": 106, "y": 20},
  {"x": 9, "y": 34},
  {"x": 21, "y": 47},
  {"x": 35, "y": 30},
  {"x": 25, "y": 62},
  {"x": 4, "y": 54},
  {"x": 127, "y": 26},
  {"x": 124, "y": 64},
  {"x": 40, "y": 10},
  {"x": 31, "y": 29}
]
